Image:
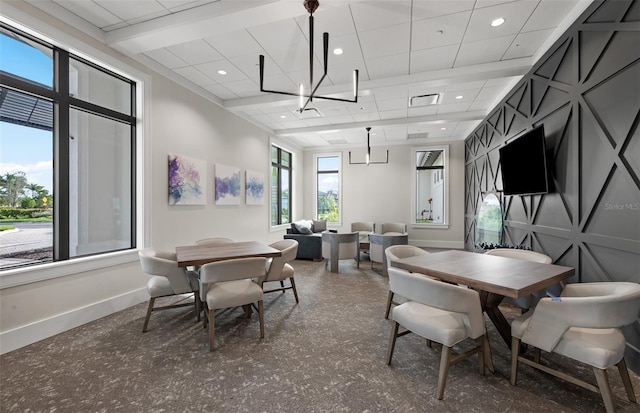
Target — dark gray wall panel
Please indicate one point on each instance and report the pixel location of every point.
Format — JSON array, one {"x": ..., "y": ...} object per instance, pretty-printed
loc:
[{"x": 586, "y": 93}]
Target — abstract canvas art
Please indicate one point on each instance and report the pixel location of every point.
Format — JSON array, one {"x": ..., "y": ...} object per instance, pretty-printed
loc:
[
  {"x": 254, "y": 188},
  {"x": 187, "y": 181},
  {"x": 227, "y": 185}
]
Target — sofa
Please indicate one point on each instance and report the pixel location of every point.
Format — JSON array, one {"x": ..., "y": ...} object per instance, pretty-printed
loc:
[{"x": 308, "y": 233}]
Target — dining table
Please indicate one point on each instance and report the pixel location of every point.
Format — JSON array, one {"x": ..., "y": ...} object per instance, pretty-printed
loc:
[
  {"x": 494, "y": 277},
  {"x": 198, "y": 255}
]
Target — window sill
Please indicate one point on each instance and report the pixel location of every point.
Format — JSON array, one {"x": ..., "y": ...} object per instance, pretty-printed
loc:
[
  {"x": 430, "y": 226},
  {"x": 42, "y": 272}
]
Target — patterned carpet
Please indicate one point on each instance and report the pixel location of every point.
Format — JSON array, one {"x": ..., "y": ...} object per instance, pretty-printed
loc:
[{"x": 325, "y": 354}]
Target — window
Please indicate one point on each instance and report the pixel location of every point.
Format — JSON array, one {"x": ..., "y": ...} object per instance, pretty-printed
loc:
[
  {"x": 67, "y": 164},
  {"x": 281, "y": 166},
  {"x": 431, "y": 186},
  {"x": 328, "y": 188}
]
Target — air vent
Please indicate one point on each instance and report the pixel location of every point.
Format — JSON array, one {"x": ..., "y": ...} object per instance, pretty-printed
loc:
[
  {"x": 424, "y": 100},
  {"x": 308, "y": 113},
  {"x": 421, "y": 135}
]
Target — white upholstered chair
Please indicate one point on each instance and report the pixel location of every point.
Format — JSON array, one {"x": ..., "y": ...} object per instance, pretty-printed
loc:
[
  {"x": 393, "y": 227},
  {"x": 278, "y": 268},
  {"x": 167, "y": 279},
  {"x": 395, "y": 252},
  {"x": 229, "y": 283},
  {"x": 582, "y": 324},
  {"x": 340, "y": 246},
  {"x": 365, "y": 229},
  {"x": 440, "y": 312},
  {"x": 378, "y": 244},
  {"x": 528, "y": 301}
]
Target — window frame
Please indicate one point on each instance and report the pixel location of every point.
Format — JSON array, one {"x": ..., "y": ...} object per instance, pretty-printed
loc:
[
  {"x": 340, "y": 168},
  {"x": 139, "y": 82},
  {"x": 414, "y": 185},
  {"x": 280, "y": 167}
]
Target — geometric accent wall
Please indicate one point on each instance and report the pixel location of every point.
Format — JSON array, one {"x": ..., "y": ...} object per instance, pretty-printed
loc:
[{"x": 586, "y": 92}]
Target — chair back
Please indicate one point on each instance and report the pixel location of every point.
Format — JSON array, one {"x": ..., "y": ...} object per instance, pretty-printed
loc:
[
  {"x": 524, "y": 255},
  {"x": 378, "y": 243},
  {"x": 289, "y": 249},
  {"x": 230, "y": 270},
  {"x": 615, "y": 304},
  {"x": 348, "y": 245},
  {"x": 438, "y": 294},
  {"x": 162, "y": 263},
  {"x": 396, "y": 252},
  {"x": 394, "y": 227},
  {"x": 213, "y": 241},
  {"x": 363, "y": 227}
]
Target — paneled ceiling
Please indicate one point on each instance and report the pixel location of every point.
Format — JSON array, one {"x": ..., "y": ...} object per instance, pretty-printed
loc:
[{"x": 402, "y": 48}]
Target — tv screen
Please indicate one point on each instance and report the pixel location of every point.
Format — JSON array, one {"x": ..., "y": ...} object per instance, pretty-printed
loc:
[{"x": 524, "y": 164}]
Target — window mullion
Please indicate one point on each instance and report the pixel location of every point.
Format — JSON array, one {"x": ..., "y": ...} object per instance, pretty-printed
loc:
[{"x": 61, "y": 156}]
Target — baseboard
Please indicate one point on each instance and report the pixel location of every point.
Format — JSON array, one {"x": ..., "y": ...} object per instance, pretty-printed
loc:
[
  {"x": 457, "y": 245},
  {"x": 22, "y": 336}
]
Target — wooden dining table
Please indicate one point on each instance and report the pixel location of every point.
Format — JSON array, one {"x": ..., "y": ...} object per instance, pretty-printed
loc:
[
  {"x": 492, "y": 276},
  {"x": 197, "y": 255}
]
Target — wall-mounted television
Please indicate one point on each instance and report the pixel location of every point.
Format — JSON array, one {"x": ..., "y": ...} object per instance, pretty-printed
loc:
[{"x": 523, "y": 164}]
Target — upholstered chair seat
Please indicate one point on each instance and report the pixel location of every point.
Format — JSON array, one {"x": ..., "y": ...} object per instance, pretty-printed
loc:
[
  {"x": 340, "y": 246},
  {"x": 440, "y": 312},
  {"x": 279, "y": 270},
  {"x": 379, "y": 244},
  {"x": 396, "y": 227},
  {"x": 582, "y": 324},
  {"x": 229, "y": 283},
  {"x": 167, "y": 279}
]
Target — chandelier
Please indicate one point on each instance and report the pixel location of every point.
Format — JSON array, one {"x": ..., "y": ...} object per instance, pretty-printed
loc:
[
  {"x": 368, "y": 155},
  {"x": 307, "y": 97}
]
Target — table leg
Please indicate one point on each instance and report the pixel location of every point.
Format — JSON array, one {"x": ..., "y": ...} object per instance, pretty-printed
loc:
[{"x": 490, "y": 303}]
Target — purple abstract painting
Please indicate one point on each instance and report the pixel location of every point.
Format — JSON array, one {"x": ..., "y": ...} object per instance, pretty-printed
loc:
[
  {"x": 227, "y": 185},
  {"x": 187, "y": 181}
]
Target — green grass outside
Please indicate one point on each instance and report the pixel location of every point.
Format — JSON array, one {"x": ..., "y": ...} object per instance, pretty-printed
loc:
[
  {"x": 40, "y": 219},
  {"x": 6, "y": 227}
]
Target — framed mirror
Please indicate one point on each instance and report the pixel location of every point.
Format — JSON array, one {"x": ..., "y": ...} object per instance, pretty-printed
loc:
[{"x": 489, "y": 221}]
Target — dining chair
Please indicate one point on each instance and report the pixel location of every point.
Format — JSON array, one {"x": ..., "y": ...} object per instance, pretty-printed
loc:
[
  {"x": 167, "y": 279},
  {"x": 582, "y": 324},
  {"x": 278, "y": 269},
  {"x": 378, "y": 244},
  {"x": 229, "y": 283},
  {"x": 396, "y": 252},
  {"x": 440, "y": 312},
  {"x": 530, "y": 300},
  {"x": 340, "y": 246},
  {"x": 393, "y": 227}
]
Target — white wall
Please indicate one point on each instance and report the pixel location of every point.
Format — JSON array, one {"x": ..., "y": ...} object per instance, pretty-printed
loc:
[
  {"x": 179, "y": 121},
  {"x": 382, "y": 193}
]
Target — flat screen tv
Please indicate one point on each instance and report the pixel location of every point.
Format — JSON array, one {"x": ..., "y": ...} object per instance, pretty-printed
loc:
[{"x": 524, "y": 164}]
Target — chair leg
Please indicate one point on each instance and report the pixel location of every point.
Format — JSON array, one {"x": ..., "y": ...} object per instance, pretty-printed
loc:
[
  {"x": 392, "y": 341},
  {"x": 624, "y": 373},
  {"x": 480, "y": 343},
  {"x": 196, "y": 299},
  {"x": 261, "y": 316},
  {"x": 486, "y": 354},
  {"x": 444, "y": 370},
  {"x": 293, "y": 287},
  {"x": 536, "y": 355},
  {"x": 282, "y": 286},
  {"x": 515, "y": 351},
  {"x": 212, "y": 329},
  {"x": 149, "y": 310},
  {"x": 605, "y": 390},
  {"x": 389, "y": 301}
]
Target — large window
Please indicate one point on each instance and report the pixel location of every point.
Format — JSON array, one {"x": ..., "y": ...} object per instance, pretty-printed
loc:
[
  {"x": 431, "y": 185},
  {"x": 280, "y": 186},
  {"x": 67, "y": 165},
  {"x": 328, "y": 188}
]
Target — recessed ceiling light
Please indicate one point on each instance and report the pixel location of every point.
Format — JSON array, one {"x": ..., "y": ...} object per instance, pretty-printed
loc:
[
  {"x": 443, "y": 128},
  {"x": 497, "y": 22},
  {"x": 337, "y": 51},
  {"x": 282, "y": 116},
  {"x": 459, "y": 97},
  {"x": 222, "y": 72},
  {"x": 439, "y": 32}
]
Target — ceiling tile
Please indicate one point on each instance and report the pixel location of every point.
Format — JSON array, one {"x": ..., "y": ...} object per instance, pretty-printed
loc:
[
  {"x": 515, "y": 14},
  {"x": 440, "y": 31},
  {"x": 220, "y": 91},
  {"x": 393, "y": 114},
  {"x": 211, "y": 70},
  {"x": 549, "y": 14},
  {"x": 490, "y": 92},
  {"x": 451, "y": 97},
  {"x": 88, "y": 10},
  {"x": 484, "y": 51},
  {"x": 422, "y": 111},
  {"x": 192, "y": 74},
  {"x": 435, "y": 8},
  {"x": 178, "y": 5},
  {"x": 392, "y": 104},
  {"x": 387, "y": 66},
  {"x": 433, "y": 59},
  {"x": 280, "y": 35},
  {"x": 480, "y": 105},
  {"x": 370, "y": 15},
  {"x": 527, "y": 44},
  {"x": 242, "y": 88},
  {"x": 195, "y": 52},
  {"x": 234, "y": 44},
  {"x": 464, "y": 86},
  {"x": 335, "y": 20},
  {"x": 131, "y": 9},
  {"x": 455, "y": 107},
  {"x": 166, "y": 58},
  {"x": 387, "y": 41}
]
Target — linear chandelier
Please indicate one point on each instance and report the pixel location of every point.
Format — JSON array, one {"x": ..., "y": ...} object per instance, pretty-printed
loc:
[
  {"x": 368, "y": 156},
  {"x": 311, "y": 6}
]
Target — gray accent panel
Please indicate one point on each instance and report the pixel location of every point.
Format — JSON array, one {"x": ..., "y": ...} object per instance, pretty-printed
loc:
[{"x": 586, "y": 92}]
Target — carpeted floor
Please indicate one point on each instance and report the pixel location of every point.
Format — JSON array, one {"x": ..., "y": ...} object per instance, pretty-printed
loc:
[{"x": 326, "y": 354}]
